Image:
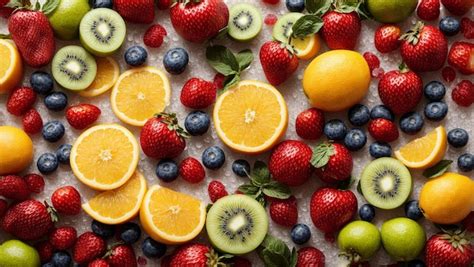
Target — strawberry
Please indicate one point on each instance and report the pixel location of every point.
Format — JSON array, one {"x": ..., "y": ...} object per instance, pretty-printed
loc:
[
  {"x": 194, "y": 254},
  {"x": 461, "y": 57},
  {"x": 467, "y": 28},
  {"x": 387, "y": 38},
  {"x": 219, "y": 80},
  {"x": 164, "y": 4},
  {"x": 457, "y": 7},
  {"x": 270, "y": 19},
  {"x": 80, "y": 116},
  {"x": 449, "y": 74},
  {"x": 463, "y": 93},
  {"x": 121, "y": 256},
  {"x": 241, "y": 262},
  {"x": 45, "y": 251},
  {"x": 277, "y": 61},
  {"x": 14, "y": 187},
  {"x": 310, "y": 124},
  {"x": 5, "y": 12},
  {"x": 333, "y": 162},
  {"x": 192, "y": 170},
  {"x": 98, "y": 263},
  {"x": 198, "y": 93},
  {"x": 310, "y": 256},
  {"x": 216, "y": 190},
  {"x": 272, "y": 2},
  {"x": 166, "y": 261},
  {"x": 331, "y": 209},
  {"x": 199, "y": 20},
  {"x": 383, "y": 130},
  {"x": 400, "y": 90},
  {"x": 136, "y": 11},
  {"x": 66, "y": 200},
  {"x": 284, "y": 211},
  {"x": 28, "y": 220},
  {"x": 88, "y": 247},
  {"x": 424, "y": 48},
  {"x": 3, "y": 207},
  {"x": 467, "y": 223},
  {"x": 374, "y": 63},
  {"x": 341, "y": 30},
  {"x": 161, "y": 137},
  {"x": 63, "y": 238},
  {"x": 154, "y": 36},
  {"x": 32, "y": 122},
  {"x": 35, "y": 182},
  {"x": 428, "y": 10},
  {"x": 290, "y": 163},
  {"x": 21, "y": 100},
  {"x": 449, "y": 249}
]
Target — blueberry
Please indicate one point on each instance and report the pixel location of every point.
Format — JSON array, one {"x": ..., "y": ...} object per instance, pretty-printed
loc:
[
  {"x": 335, "y": 129},
  {"x": 130, "y": 233},
  {"x": 411, "y": 123},
  {"x": 367, "y": 212},
  {"x": 383, "y": 112},
  {"x": 153, "y": 249},
  {"x": 416, "y": 263},
  {"x": 300, "y": 233},
  {"x": 295, "y": 5},
  {"x": 434, "y": 91},
  {"x": 241, "y": 167},
  {"x": 176, "y": 60},
  {"x": 213, "y": 157},
  {"x": 450, "y": 26},
  {"x": 47, "y": 163},
  {"x": 436, "y": 111},
  {"x": 412, "y": 210},
  {"x": 48, "y": 264},
  {"x": 466, "y": 162},
  {"x": 359, "y": 115},
  {"x": 53, "y": 131},
  {"x": 103, "y": 230},
  {"x": 63, "y": 153},
  {"x": 135, "y": 56},
  {"x": 41, "y": 82},
  {"x": 167, "y": 170},
  {"x": 56, "y": 101},
  {"x": 61, "y": 259},
  {"x": 102, "y": 3},
  {"x": 458, "y": 137},
  {"x": 355, "y": 139},
  {"x": 380, "y": 150},
  {"x": 197, "y": 123}
]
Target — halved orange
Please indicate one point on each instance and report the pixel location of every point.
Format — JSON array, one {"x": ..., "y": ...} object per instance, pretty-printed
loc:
[
  {"x": 11, "y": 66},
  {"x": 108, "y": 72},
  {"x": 306, "y": 48}
]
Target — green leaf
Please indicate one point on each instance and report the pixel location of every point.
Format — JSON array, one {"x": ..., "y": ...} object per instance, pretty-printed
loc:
[
  {"x": 249, "y": 189},
  {"x": 14, "y": 4},
  {"x": 244, "y": 58},
  {"x": 230, "y": 81},
  {"x": 49, "y": 6},
  {"x": 359, "y": 188},
  {"x": 5, "y": 36},
  {"x": 438, "y": 169},
  {"x": 276, "y": 190},
  {"x": 208, "y": 207},
  {"x": 317, "y": 6},
  {"x": 306, "y": 25},
  {"x": 294, "y": 257},
  {"x": 321, "y": 155},
  {"x": 275, "y": 252},
  {"x": 260, "y": 174},
  {"x": 222, "y": 60}
]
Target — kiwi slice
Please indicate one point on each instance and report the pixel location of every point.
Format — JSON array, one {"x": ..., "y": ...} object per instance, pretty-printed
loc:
[
  {"x": 386, "y": 183},
  {"x": 283, "y": 28},
  {"x": 245, "y": 22},
  {"x": 236, "y": 224},
  {"x": 102, "y": 31},
  {"x": 74, "y": 68}
]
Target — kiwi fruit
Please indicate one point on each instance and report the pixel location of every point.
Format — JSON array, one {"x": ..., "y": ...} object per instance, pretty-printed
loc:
[
  {"x": 386, "y": 183},
  {"x": 283, "y": 27},
  {"x": 245, "y": 22},
  {"x": 236, "y": 224},
  {"x": 102, "y": 31},
  {"x": 74, "y": 68}
]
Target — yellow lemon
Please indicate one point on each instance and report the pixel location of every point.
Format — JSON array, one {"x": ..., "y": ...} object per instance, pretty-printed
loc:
[
  {"x": 11, "y": 66},
  {"x": 16, "y": 150},
  {"x": 108, "y": 72},
  {"x": 336, "y": 80},
  {"x": 306, "y": 48}
]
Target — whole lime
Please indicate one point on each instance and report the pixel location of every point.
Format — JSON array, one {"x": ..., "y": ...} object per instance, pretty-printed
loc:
[
  {"x": 391, "y": 11},
  {"x": 14, "y": 253},
  {"x": 403, "y": 238},
  {"x": 67, "y": 16},
  {"x": 359, "y": 238}
]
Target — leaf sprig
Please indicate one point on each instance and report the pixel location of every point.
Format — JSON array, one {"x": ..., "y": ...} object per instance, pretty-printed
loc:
[{"x": 274, "y": 252}]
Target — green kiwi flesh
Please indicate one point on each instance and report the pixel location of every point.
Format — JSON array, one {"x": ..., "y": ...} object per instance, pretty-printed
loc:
[
  {"x": 283, "y": 27},
  {"x": 386, "y": 183},
  {"x": 236, "y": 224},
  {"x": 74, "y": 68},
  {"x": 245, "y": 22},
  {"x": 102, "y": 31}
]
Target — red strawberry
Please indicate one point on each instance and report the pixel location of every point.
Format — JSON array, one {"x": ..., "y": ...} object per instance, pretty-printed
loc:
[
  {"x": 66, "y": 200},
  {"x": 88, "y": 247},
  {"x": 27, "y": 220},
  {"x": 198, "y": 21},
  {"x": 5, "y": 12},
  {"x": 336, "y": 166},
  {"x": 198, "y": 93},
  {"x": 14, "y": 187},
  {"x": 284, "y": 211},
  {"x": 63, "y": 238},
  {"x": 424, "y": 48},
  {"x": 161, "y": 137},
  {"x": 3, "y": 207},
  {"x": 290, "y": 163},
  {"x": 400, "y": 90},
  {"x": 271, "y": 2},
  {"x": 449, "y": 249},
  {"x": 21, "y": 100},
  {"x": 428, "y": 10},
  {"x": 331, "y": 209},
  {"x": 122, "y": 256},
  {"x": 154, "y": 36},
  {"x": 277, "y": 61},
  {"x": 98, "y": 263},
  {"x": 193, "y": 254},
  {"x": 341, "y": 30},
  {"x": 163, "y": 4},
  {"x": 219, "y": 80},
  {"x": 383, "y": 130},
  {"x": 448, "y": 74},
  {"x": 374, "y": 64},
  {"x": 467, "y": 28},
  {"x": 81, "y": 116},
  {"x": 457, "y": 7},
  {"x": 192, "y": 170},
  {"x": 45, "y": 251},
  {"x": 461, "y": 57},
  {"x": 32, "y": 122},
  {"x": 166, "y": 261},
  {"x": 387, "y": 38},
  {"x": 35, "y": 182},
  {"x": 216, "y": 190},
  {"x": 310, "y": 124},
  {"x": 463, "y": 93},
  {"x": 136, "y": 11},
  {"x": 310, "y": 256}
]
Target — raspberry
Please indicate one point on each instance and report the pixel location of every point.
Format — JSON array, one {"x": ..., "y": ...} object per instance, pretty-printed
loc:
[
  {"x": 271, "y": 2},
  {"x": 216, "y": 190},
  {"x": 45, "y": 251},
  {"x": 463, "y": 93},
  {"x": 32, "y": 122},
  {"x": 372, "y": 60},
  {"x": 34, "y": 182},
  {"x": 154, "y": 36},
  {"x": 270, "y": 19},
  {"x": 21, "y": 100},
  {"x": 192, "y": 170},
  {"x": 467, "y": 28},
  {"x": 448, "y": 74}
]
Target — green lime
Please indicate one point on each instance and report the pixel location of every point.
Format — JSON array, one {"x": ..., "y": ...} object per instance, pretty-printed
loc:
[
  {"x": 65, "y": 19},
  {"x": 391, "y": 11},
  {"x": 14, "y": 253},
  {"x": 359, "y": 239},
  {"x": 403, "y": 238}
]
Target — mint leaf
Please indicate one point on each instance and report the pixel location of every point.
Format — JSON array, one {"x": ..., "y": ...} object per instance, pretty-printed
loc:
[
  {"x": 249, "y": 189},
  {"x": 317, "y": 6},
  {"x": 438, "y": 170},
  {"x": 274, "y": 252},
  {"x": 294, "y": 257},
  {"x": 244, "y": 58},
  {"x": 306, "y": 25},
  {"x": 276, "y": 190},
  {"x": 222, "y": 60},
  {"x": 231, "y": 80},
  {"x": 321, "y": 155},
  {"x": 260, "y": 174}
]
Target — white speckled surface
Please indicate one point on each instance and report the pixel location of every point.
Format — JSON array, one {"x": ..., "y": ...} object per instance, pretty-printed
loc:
[{"x": 292, "y": 91}]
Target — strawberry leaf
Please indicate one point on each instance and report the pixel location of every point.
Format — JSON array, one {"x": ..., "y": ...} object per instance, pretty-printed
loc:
[
  {"x": 244, "y": 58},
  {"x": 222, "y": 60},
  {"x": 48, "y": 6},
  {"x": 437, "y": 170},
  {"x": 5, "y": 36},
  {"x": 307, "y": 25},
  {"x": 318, "y": 7},
  {"x": 276, "y": 190},
  {"x": 321, "y": 155}
]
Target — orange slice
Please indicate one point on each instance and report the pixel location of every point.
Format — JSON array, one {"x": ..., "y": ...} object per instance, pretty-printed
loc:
[
  {"x": 108, "y": 72},
  {"x": 11, "y": 67}
]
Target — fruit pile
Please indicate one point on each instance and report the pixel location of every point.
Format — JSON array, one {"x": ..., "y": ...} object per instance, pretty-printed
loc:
[{"x": 236, "y": 133}]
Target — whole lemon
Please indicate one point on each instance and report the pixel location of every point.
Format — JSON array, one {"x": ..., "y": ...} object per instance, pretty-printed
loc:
[
  {"x": 16, "y": 151},
  {"x": 447, "y": 199},
  {"x": 336, "y": 80}
]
